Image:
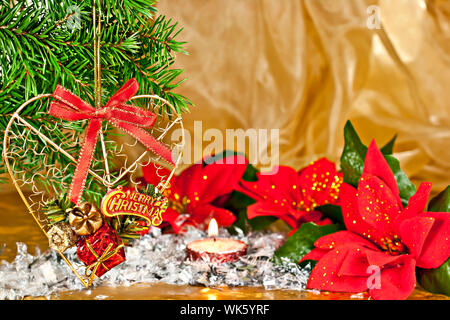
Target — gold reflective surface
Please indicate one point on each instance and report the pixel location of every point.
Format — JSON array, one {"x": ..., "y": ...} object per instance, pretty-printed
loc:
[{"x": 16, "y": 225}]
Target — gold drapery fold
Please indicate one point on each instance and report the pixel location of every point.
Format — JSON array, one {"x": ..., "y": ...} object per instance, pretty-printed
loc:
[{"x": 306, "y": 67}]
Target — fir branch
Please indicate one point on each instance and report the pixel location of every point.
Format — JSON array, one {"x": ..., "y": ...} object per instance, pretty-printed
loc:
[{"x": 38, "y": 50}]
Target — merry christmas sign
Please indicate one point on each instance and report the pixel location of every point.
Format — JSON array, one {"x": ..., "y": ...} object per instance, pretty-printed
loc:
[{"x": 130, "y": 202}]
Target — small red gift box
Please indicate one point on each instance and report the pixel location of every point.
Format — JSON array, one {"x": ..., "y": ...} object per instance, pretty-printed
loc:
[{"x": 101, "y": 251}]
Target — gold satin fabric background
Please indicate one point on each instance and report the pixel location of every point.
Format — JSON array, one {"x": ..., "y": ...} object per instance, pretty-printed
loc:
[{"x": 306, "y": 66}]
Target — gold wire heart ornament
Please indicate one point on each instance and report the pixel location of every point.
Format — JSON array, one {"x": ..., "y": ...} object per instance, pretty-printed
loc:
[
  {"x": 53, "y": 156},
  {"x": 51, "y": 143}
]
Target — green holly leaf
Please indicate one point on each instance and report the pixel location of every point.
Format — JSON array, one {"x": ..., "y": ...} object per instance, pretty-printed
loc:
[
  {"x": 440, "y": 203},
  {"x": 331, "y": 211},
  {"x": 389, "y": 147},
  {"x": 302, "y": 241},
  {"x": 238, "y": 201},
  {"x": 220, "y": 156},
  {"x": 250, "y": 173},
  {"x": 247, "y": 225},
  {"x": 354, "y": 154},
  {"x": 260, "y": 223},
  {"x": 238, "y": 204},
  {"x": 437, "y": 280}
]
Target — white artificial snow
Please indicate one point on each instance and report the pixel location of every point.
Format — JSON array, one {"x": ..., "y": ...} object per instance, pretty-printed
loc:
[{"x": 155, "y": 257}]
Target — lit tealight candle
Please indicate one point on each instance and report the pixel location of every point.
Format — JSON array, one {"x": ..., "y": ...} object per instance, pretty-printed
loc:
[{"x": 216, "y": 249}]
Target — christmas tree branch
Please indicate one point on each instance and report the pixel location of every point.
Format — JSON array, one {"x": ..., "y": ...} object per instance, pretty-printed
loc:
[{"x": 44, "y": 43}]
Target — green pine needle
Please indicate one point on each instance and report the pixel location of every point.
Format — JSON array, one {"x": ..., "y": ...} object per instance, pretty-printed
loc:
[
  {"x": 57, "y": 209},
  {"x": 41, "y": 46}
]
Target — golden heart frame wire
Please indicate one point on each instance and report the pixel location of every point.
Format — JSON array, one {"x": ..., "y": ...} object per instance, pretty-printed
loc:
[{"x": 106, "y": 180}]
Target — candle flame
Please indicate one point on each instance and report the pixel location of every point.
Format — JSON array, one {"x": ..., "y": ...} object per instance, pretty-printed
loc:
[{"x": 213, "y": 228}]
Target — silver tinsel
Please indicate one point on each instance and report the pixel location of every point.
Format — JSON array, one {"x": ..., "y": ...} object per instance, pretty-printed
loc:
[{"x": 155, "y": 257}]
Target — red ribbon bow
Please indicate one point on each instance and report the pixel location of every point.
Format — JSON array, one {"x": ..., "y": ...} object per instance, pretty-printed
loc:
[{"x": 129, "y": 118}]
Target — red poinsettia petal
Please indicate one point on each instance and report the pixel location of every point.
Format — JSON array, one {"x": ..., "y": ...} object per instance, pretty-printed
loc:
[
  {"x": 218, "y": 179},
  {"x": 380, "y": 258},
  {"x": 203, "y": 184},
  {"x": 325, "y": 275},
  {"x": 377, "y": 204},
  {"x": 355, "y": 263},
  {"x": 375, "y": 164},
  {"x": 292, "y": 232},
  {"x": 312, "y": 216},
  {"x": 339, "y": 238},
  {"x": 224, "y": 217},
  {"x": 203, "y": 213},
  {"x": 414, "y": 232},
  {"x": 282, "y": 185},
  {"x": 352, "y": 218},
  {"x": 171, "y": 216},
  {"x": 249, "y": 189},
  {"x": 221, "y": 200},
  {"x": 418, "y": 202},
  {"x": 154, "y": 173},
  {"x": 436, "y": 249},
  {"x": 397, "y": 281},
  {"x": 320, "y": 183},
  {"x": 315, "y": 254},
  {"x": 323, "y": 222},
  {"x": 266, "y": 208},
  {"x": 187, "y": 183},
  {"x": 280, "y": 195}
]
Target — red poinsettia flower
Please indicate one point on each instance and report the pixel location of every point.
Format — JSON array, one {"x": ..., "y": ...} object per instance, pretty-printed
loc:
[
  {"x": 293, "y": 196},
  {"x": 382, "y": 235},
  {"x": 195, "y": 196},
  {"x": 153, "y": 174}
]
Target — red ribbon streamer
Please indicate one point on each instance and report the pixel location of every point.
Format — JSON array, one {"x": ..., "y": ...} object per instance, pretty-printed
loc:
[{"x": 129, "y": 118}]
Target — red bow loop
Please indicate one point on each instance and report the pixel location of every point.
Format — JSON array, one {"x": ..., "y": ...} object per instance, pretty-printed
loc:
[
  {"x": 129, "y": 114},
  {"x": 69, "y": 106},
  {"x": 129, "y": 118},
  {"x": 128, "y": 90}
]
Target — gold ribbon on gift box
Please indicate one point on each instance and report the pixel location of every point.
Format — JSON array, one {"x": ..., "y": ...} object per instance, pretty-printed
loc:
[{"x": 91, "y": 269}]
